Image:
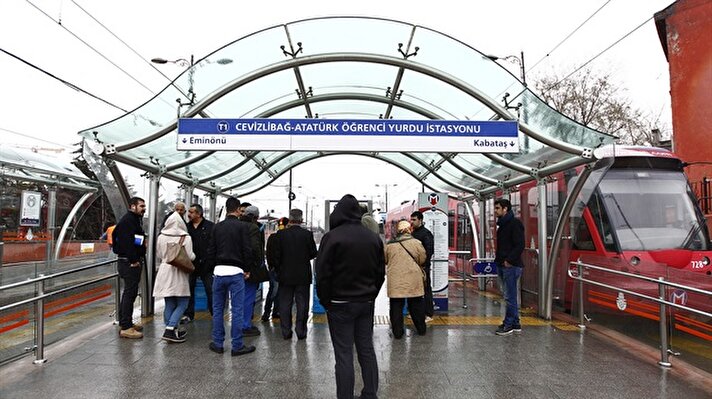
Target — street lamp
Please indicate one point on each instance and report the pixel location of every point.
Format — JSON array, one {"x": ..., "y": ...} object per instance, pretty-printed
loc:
[
  {"x": 514, "y": 59},
  {"x": 385, "y": 187},
  {"x": 189, "y": 64}
]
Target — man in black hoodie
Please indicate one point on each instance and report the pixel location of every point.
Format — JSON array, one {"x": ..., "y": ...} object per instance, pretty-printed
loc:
[
  {"x": 350, "y": 270},
  {"x": 508, "y": 257}
]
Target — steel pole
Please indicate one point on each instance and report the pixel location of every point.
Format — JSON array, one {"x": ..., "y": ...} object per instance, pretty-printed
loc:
[
  {"x": 582, "y": 318},
  {"x": 482, "y": 283},
  {"x": 664, "y": 361},
  {"x": 39, "y": 323},
  {"x": 147, "y": 305},
  {"x": 51, "y": 216},
  {"x": 541, "y": 257}
]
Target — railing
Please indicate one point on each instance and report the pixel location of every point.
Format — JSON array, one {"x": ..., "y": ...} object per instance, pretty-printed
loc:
[
  {"x": 41, "y": 295},
  {"x": 660, "y": 281},
  {"x": 465, "y": 276}
]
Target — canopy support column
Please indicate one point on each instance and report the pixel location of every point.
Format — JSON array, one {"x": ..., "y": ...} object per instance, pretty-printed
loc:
[
  {"x": 51, "y": 226},
  {"x": 542, "y": 250},
  {"x": 147, "y": 303},
  {"x": 556, "y": 240},
  {"x": 482, "y": 254},
  {"x": 214, "y": 204}
]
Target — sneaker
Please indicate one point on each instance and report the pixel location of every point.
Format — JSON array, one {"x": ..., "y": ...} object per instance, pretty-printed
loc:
[
  {"x": 264, "y": 318},
  {"x": 215, "y": 348},
  {"x": 243, "y": 351},
  {"x": 185, "y": 320},
  {"x": 251, "y": 332},
  {"x": 287, "y": 337},
  {"x": 504, "y": 330},
  {"x": 428, "y": 319},
  {"x": 182, "y": 333},
  {"x": 138, "y": 327},
  {"x": 173, "y": 335},
  {"x": 130, "y": 333},
  {"x": 517, "y": 328}
]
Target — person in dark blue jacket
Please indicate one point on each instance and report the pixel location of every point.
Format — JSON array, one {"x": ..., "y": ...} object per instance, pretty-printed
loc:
[
  {"x": 508, "y": 257},
  {"x": 350, "y": 270}
]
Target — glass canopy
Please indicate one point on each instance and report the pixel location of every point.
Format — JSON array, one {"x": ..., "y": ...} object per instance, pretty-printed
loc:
[{"x": 349, "y": 68}]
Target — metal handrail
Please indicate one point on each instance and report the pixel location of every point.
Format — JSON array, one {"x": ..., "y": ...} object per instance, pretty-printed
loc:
[
  {"x": 40, "y": 297},
  {"x": 660, "y": 281},
  {"x": 55, "y": 275}
]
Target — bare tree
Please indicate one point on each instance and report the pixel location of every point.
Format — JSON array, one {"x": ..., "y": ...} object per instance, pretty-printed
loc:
[{"x": 594, "y": 100}]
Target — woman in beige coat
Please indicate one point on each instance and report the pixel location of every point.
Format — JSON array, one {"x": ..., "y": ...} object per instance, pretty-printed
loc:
[
  {"x": 172, "y": 284},
  {"x": 405, "y": 279}
]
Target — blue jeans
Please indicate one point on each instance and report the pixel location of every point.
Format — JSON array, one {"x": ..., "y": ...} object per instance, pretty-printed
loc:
[
  {"x": 250, "y": 295},
  {"x": 175, "y": 306},
  {"x": 510, "y": 277},
  {"x": 235, "y": 286},
  {"x": 272, "y": 296}
]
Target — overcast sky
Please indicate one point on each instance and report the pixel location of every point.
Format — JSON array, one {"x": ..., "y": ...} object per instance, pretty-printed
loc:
[{"x": 35, "y": 105}]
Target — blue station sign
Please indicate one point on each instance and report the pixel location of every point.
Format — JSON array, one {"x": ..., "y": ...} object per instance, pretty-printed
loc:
[{"x": 382, "y": 135}]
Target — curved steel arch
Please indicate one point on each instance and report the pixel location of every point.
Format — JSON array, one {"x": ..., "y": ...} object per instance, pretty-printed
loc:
[{"x": 358, "y": 57}]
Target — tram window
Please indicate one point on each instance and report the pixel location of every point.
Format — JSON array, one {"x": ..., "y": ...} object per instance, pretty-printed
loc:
[
  {"x": 582, "y": 239},
  {"x": 602, "y": 224}
]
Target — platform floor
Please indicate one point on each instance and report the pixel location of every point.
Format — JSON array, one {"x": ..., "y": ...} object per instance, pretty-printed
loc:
[{"x": 460, "y": 357}]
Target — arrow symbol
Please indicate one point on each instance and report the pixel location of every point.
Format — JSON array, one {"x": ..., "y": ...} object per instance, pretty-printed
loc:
[
  {"x": 511, "y": 143},
  {"x": 185, "y": 140}
]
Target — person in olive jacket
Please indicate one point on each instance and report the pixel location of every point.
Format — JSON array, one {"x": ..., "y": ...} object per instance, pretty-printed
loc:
[
  {"x": 350, "y": 270},
  {"x": 294, "y": 248}
]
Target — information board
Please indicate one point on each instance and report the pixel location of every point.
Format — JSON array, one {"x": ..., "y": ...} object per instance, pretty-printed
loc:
[
  {"x": 435, "y": 219},
  {"x": 30, "y": 208}
]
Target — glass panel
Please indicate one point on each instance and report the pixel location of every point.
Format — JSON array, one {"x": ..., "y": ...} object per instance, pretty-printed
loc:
[
  {"x": 344, "y": 34},
  {"x": 437, "y": 96},
  {"x": 250, "y": 100},
  {"x": 440, "y": 51},
  {"x": 347, "y": 76},
  {"x": 349, "y": 109},
  {"x": 219, "y": 161}
]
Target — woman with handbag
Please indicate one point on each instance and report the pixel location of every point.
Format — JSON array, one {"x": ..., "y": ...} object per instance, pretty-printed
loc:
[
  {"x": 175, "y": 250},
  {"x": 405, "y": 279}
]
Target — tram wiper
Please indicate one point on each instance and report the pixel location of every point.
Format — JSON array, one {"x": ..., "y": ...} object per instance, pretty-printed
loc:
[
  {"x": 687, "y": 242},
  {"x": 625, "y": 220}
]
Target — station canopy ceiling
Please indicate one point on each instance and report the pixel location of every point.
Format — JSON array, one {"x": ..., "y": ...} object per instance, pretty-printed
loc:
[{"x": 346, "y": 68}]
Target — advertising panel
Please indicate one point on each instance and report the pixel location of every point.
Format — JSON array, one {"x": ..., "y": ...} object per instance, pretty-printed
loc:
[{"x": 30, "y": 208}]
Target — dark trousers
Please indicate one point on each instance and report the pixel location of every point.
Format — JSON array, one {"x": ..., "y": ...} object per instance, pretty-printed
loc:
[
  {"x": 206, "y": 276},
  {"x": 289, "y": 294},
  {"x": 416, "y": 307},
  {"x": 429, "y": 308},
  {"x": 272, "y": 297},
  {"x": 131, "y": 277},
  {"x": 352, "y": 323}
]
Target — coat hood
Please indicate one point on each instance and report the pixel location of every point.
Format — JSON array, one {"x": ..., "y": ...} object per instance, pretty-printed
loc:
[
  {"x": 347, "y": 210},
  {"x": 175, "y": 226}
]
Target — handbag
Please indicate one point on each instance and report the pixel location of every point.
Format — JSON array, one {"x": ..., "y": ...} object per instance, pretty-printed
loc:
[{"x": 178, "y": 257}]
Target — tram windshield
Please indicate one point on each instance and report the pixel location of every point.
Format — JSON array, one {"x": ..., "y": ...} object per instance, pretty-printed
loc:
[{"x": 651, "y": 210}]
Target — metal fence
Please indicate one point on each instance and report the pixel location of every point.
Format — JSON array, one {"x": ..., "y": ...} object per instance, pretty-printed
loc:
[
  {"x": 578, "y": 275},
  {"x": 42, "y": 294}
]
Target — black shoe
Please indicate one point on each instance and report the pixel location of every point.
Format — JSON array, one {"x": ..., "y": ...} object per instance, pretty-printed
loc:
[
  {"x": 517, "y": 328},
  {"x": 275, "y": 316},
  {"x": 301, "y": 337},
  {"x": 251, "y": 332},
  {"x": 288, "y": 336},
  {"x": 181, "y": 333},
  {"x": 173, "y": 336},
  {"x": 265, "y": 318},
  {"x": 243, "y": 351},
  {"x": 216, "y": 348},
  {"x": 506, "y": 330},
  {"x": 185, "y": 319}
]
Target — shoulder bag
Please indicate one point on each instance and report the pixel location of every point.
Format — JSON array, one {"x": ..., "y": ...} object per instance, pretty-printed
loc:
[
  {"x": 422, "y": 271},
  {"x": 178, "y": 257}
]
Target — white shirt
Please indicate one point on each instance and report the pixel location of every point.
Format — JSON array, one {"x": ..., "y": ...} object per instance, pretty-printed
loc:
[{"x": 226, "y": 270}]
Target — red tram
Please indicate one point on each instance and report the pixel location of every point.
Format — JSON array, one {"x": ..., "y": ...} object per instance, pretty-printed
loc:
[{"x": 641, "y": 217}]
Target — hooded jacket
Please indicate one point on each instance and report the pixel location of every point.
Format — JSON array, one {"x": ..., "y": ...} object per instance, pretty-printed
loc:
[
  {"x": 350, "y": 265},
  {"x": 171, "y": 281}
]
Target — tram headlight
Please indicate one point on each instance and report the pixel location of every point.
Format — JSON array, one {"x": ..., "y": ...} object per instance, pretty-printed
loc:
[
  {"x": 705, "y": 260},
  {"x": 635, "y": 261}
]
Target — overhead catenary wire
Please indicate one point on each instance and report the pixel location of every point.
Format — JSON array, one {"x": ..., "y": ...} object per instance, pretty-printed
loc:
[
  {"x": 29, "y": 136},
  {"x": 568, "y": 36},
  {"x": 558, "y": 82},
  {"x": 92, "y": 48},
  {"x": 123, "y": 42},
  {"x": 71, "y": 85}
]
